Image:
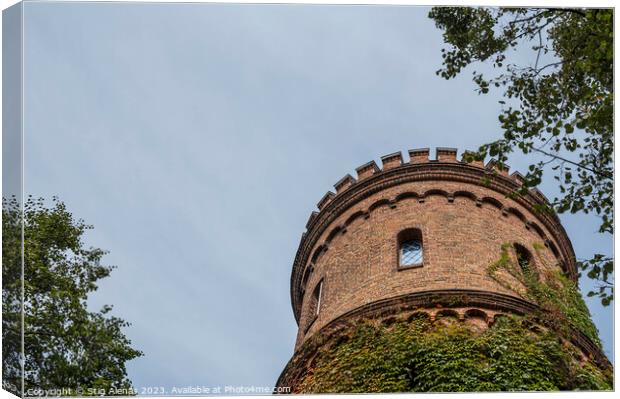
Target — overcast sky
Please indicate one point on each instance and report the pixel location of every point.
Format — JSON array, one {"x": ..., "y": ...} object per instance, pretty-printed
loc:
[{"x": 197, "y": 139}]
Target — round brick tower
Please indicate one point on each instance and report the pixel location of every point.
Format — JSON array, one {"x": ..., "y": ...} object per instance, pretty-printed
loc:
[{"x": 420, "y": 237}]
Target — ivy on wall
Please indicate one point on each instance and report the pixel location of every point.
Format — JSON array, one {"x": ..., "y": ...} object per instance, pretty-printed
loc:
[
  {"x": 449, "y": 356},
  {"x": 559, "y": 299}
]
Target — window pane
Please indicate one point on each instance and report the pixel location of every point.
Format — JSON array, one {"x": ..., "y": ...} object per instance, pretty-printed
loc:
[
  {"x": 411, "y": 253},
  {"x": 318, "y": 298},
  {"x": 315, "y": 299}
]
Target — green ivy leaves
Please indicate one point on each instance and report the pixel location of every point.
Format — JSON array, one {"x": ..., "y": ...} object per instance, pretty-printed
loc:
[{"x": 420, "y": 356}]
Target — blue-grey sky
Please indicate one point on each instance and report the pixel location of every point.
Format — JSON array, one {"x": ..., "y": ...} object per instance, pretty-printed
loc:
[{"x": 197, "y": 138}]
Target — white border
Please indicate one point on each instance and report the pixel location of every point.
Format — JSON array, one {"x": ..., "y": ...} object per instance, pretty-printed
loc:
[{"x": 567, "y": 3}]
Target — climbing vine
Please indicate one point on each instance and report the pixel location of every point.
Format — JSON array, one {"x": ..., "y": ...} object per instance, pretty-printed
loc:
[
  {"x": 560, "y": 302},
  {"x": 449, "y": 356}
]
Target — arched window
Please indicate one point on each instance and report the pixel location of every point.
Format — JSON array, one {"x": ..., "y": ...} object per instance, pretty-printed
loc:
[
  {"x": 524, "y": 257},
  {"x": 410, "y": 248}
]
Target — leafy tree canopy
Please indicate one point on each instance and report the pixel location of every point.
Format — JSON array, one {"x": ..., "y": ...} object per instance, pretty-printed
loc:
[
  {"x": 66, "y": 346},
  {"x": 559, "y": 106}
]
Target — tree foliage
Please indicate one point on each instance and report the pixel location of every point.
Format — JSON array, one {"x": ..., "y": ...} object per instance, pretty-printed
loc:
[
  {"x": 66, "y": 346},
  {"x": 559, "y": 105}
]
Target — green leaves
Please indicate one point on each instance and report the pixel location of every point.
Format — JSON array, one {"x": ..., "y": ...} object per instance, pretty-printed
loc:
[
  {"x": 470, "y": 31},
  {"x": 567, "y": 85},
  {"x": 555, "y": 294},
  {"x": 449, "y": 356},
  {"x": 66, "y": 345},
  {"x": 600, "y": 267}
]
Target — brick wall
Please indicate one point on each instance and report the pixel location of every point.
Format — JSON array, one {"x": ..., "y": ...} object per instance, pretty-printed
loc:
[{"x": 462, "y": 237}]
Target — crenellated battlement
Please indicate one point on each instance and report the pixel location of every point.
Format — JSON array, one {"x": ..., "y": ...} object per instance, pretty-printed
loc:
[
  {"x": 327, "y": 198},
  {"x": 420, "y": 156},
  {"x": 444, "y": 154},
  {"x": 344, "y": 183},
  {"x": 495, "y": 166},
  {"x": 392, "y": 160},
  {"x": 367, "y": 170}
]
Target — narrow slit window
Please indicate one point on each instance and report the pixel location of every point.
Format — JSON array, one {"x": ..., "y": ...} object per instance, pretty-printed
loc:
[
  {"x": 524, "y": 258},
  {"x": 318, "y": 298},
  {"x": 315, "y": 301}
]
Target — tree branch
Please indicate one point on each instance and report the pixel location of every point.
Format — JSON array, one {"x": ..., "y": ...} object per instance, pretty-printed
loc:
[
  {"x": 517, "y": 21},
  {"x": 571, "y": 10},
  {"x": 596, "y": 172},
  {"x": 538, "y": 71}
]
